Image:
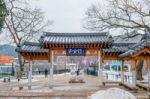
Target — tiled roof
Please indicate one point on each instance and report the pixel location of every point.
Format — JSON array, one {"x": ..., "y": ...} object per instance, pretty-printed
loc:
[
  {"x": 31, "y": 47},
  {"x": 145, "y": 42},
  {"x": 119, "y": 47},
  {"x": 137, "y": 47},
  {"x": 132, "y": 37},
  {"x": 123, "y": 48},
  {"x": 75, "y": 38},
  {"x": 146, "y": 36}
]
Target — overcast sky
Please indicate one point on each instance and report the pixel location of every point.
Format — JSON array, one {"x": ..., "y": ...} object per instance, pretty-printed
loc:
[{"x": 67, "y": 15}]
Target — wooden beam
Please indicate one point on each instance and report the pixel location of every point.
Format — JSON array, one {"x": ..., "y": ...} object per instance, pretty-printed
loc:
[
  {"x": 133, "y": 64},
  {"x": 122, "y": 71},
  {"x": 126, "y": 58},
  {"x": 142, "y": 57},
  {"x": 49, "y": 55},
  {"x": 146, "y": 50},
  {"x": 105, "y": 45},
  {"x": 148, "y": 63},
  {"x": 101, "y": 58},
  {"x": 36, "y": 57},
  {"x": 111, "y": 58},
  {"x": 47, "y": 45}
]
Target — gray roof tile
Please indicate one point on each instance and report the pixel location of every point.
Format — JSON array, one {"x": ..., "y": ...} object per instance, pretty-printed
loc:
[
  {"x": 132, "y": 37},
  {"x": 137, "y": 47},
  {"x": 119, "y": 47},
  {"x": 31, "y": 47},
  {"x": 75, "y": 38}
]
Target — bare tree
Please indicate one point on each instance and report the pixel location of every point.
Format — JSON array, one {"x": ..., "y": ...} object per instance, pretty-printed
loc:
[
  {"x": 122, "y": 14},
  {"x": 23, "y": 23},
  {"x": 125, "y": 15}
]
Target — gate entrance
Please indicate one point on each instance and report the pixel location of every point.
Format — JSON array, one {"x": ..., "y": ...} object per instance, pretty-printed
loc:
[
  {"x": 66, "y": 44},
  {"x": 76, "y": 69},
  {"x": 86, "y": 44}
]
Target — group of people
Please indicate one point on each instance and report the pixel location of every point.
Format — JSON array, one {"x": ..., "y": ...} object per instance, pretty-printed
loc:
[{"x": 45, "y": 72}]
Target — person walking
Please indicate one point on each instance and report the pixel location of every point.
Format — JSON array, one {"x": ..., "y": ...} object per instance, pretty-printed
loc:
[
  {"x": 39, "y": 72},
  {"x": 78, "y": 71},
  {"x": 46, "y": 71}
]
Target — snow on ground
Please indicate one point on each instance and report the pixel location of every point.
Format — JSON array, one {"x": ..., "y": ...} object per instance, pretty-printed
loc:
[
  {"x": 112, "y": 93},
  {"x": 76, "y": 87},
  {"x": 145, "y": 78}
]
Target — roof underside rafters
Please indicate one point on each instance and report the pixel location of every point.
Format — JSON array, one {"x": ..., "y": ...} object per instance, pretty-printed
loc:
[{"x": 140, "y": 49}]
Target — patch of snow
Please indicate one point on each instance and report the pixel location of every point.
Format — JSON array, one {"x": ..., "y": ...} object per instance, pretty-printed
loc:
[
  {"x": 75, "y": 87},
  {"x": 112, "y": 93}
]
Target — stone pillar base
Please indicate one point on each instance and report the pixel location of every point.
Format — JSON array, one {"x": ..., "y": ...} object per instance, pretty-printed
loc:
[
  {"x": 51, "y": 86},
  {"x": 149, "y": 80},
  {"x": 122, "y": 77},
  {"x": 20, "y": 87},
  {"x": 134, "y": 78},
  {"x": 100, "y": 76},
  {"x": 29, "y": 87}
]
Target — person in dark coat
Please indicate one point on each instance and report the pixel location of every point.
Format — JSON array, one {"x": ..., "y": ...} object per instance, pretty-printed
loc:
[
  {"x": 46, "y": 72},
  {"x": 78, "y": 71},
  {"x": 39, "y": 72}
]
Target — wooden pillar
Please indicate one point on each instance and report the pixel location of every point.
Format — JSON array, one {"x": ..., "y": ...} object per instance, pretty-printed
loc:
[
  {"x": 122, "y": 71},
  {"x": 66, "y": 60},
  {"x": 51, "y": 68},
  {"x": 133, "y": 68},
  {"x": 148, "y": 66},
  {"x": 100, "y": 67},
  {"x": 30, "y": 75}
]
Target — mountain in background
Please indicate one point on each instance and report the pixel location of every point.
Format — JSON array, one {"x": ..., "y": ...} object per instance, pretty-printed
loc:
[{"x": 7, "y": 49}]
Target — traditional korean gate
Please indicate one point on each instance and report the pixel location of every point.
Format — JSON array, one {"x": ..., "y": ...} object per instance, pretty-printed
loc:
[{"x": 67, "y": 44}]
